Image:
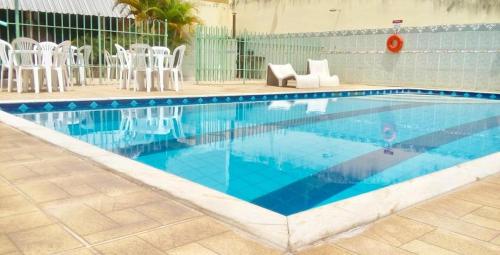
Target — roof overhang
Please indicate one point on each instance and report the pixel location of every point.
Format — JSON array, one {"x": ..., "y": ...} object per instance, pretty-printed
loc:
[{"x": 83, "y": 7}]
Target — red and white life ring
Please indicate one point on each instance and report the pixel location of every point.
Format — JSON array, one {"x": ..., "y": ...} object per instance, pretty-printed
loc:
[{"x": 395, "y": 43}]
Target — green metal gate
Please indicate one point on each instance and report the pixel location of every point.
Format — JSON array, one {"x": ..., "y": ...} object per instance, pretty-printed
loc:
[{"x": 221, "y": 58}]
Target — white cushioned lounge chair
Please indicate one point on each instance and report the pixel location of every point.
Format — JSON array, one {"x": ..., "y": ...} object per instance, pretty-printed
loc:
[
  {"x": 320, "y": 68},
  {"x": 279, "y": 75}
]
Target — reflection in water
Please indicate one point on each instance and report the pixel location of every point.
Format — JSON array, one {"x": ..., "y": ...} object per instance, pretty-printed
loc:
[{"x": 301, "y": 152}]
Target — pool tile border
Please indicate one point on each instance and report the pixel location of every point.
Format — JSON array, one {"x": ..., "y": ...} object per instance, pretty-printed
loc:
[
  {"x": 297, "y": 230},
  {"x": 18, "y": 107}
]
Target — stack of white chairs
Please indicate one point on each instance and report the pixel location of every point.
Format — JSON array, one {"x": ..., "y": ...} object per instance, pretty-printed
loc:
[
  {"x": 111, "y": 64},
  {"x": 161, "y": 63},
  {"x": 151, "y": 63},
  {"x": 26, "y": 57},
  {"x": 141, "y": 57},
  {"x": 34, "y": 64}
]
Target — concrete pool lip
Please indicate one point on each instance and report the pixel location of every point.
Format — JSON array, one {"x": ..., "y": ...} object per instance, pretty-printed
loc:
[{"x": 294, "y": 231}]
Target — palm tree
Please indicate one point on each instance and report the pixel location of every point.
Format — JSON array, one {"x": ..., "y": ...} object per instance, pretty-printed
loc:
[{"x": 179, "y": 15}]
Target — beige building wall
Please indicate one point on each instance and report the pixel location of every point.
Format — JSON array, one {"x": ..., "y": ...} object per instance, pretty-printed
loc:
[
  {"x": 288, "y": 16},
  {"x": 213, "y": 13}
]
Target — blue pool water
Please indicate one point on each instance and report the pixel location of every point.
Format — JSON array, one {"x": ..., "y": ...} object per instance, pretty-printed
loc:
[{"x": 290, "y": 156}]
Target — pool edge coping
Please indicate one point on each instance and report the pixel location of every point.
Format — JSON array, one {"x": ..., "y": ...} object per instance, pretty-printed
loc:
[{"x": 287, "y": 232}]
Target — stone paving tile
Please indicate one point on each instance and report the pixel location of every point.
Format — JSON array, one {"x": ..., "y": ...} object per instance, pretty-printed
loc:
[
  {"x": 484, "y": 193},
  {"x": 396, "y": 230},
  {"x": 43, "y": 191},
  {"x": 493, "y": 179},
  {"x": 20, "y": 222},
  {"x": 81, "y": 251},
  {"x": 423, "y": 248},
  {"x": 482, "y": 221},
  {"x": 81, "y": 219},
  {"x": 17, "y": 204},
  {"x": 449, "y": 206},
  {"x": 6, "y": 245},
  {"x": 229, "y": 244},
  {"x": 7, "y": 190},
  {"x": 121, "y": 231},
  {"x": 460, "y": 243},
  {"x": 451, "y": 224},
  {"x": 44, "y": 240},
  {"x": 183, "y": 233},
  {"x": 364, "y": 245},
  {"x": 488, "y": 212},
  {"x": 325, "y": 250},
  {"x": 16, "y": 172},
  {"x": 191, "y": 249},
  {"x": 167, "y": 212},
  {"x": 128, "y": 246}
]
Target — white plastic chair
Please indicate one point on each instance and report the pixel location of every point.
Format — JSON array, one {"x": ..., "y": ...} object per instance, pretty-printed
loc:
[
  {"x": 83, "y": 63},
  {"x": 5, "y": 56},
  {"x": 58, "y": 66},
  {"x": 47, "y": 51},
  {"x": 175, "y": 68},
  {"x": 110, "y": 63},
  {"x": 141, "y": 57},
  {"x": 321, "y": 69},
  {"x": 123, "y": 66},
  {"x": 161, "y": 63},
  {"x": 26, "y": 58}
]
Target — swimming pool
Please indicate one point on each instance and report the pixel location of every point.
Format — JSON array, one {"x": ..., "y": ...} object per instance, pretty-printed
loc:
[{"x": 292, "y": 155}]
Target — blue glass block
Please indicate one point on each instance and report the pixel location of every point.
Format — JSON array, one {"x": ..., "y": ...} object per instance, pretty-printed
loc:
[
  {"x": 479, "y": 95},
  {"x": 286, "y": 96},
  {"x": 324, "y": 94},
  {"x": 275, "y": 96},
  {"x": 296, "y": 96},
  {"x": 169, "y": 101},
  {"x": 466, "y": 94},
  {"x": 152, "y": 102},
  {"x": 306, "y": 96},
  {"x": 94, "y": 105},
  {"x": 454, "y": 94},
  {"x": 430, "y": 92},
  {"x": 214, "y": 100},
  {"x": 333, "y": 94},
  {"x": 72, "y": 106},
  {"x": 48, "y": 107},
  {"x": 200, "y": 100},
  {"x": 252, "y": 98},
  {"x": 115, "y": 104},
  {"x": 134, "y": 103},
  {"x": 315, "y": 95},
  {"x": 240, "y": 99},
  {"x": 493, "y": 97},
  {"x": 228, "y": 99},
  {"x": 23, "y": 108},
  {"x": 441, "y": 93},
  {"x": 264, "y": 98},
  {"x": 185, "y": 101},
  {"x": 348, "y": 93}
]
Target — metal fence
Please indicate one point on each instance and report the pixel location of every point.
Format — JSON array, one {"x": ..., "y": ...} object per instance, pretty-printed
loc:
[
  {"x": 98, "y": 31},
  {"x": 220, "y": 58},
  {"x": 446, "y": 56}
]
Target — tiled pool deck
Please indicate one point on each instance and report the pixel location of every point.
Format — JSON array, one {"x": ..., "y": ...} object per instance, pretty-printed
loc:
[{"x": 55, "y": 202}]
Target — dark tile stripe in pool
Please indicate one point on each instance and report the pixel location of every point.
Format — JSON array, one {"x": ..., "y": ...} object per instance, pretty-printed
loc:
[
  {"x": 219, "y": 136},
  {"x": 310, "y": 191}
]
